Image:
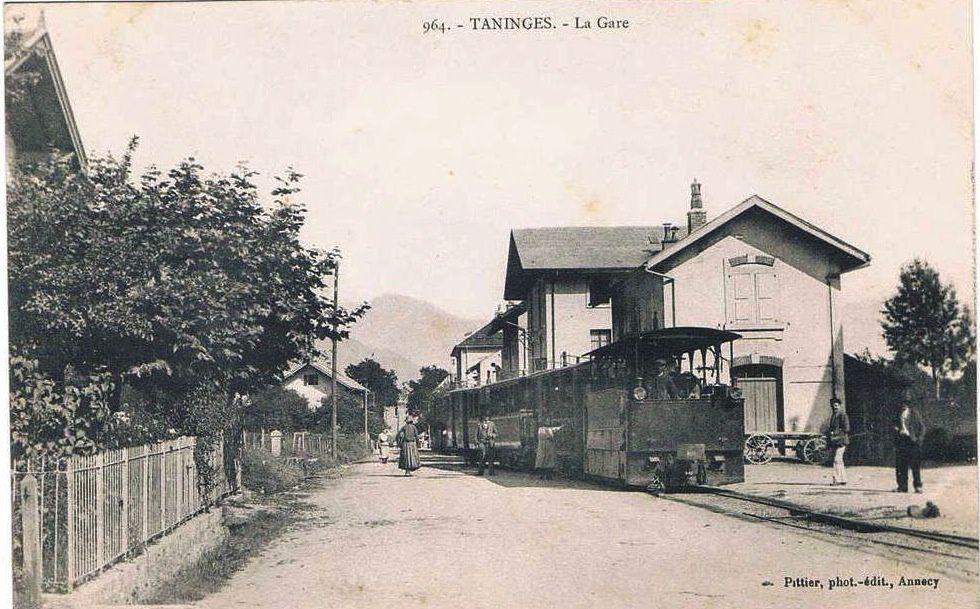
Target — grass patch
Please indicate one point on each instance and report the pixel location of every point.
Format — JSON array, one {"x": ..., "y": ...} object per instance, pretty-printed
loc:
[
  {"x": 266, "y": 473},
  {"x": 216, "y": 566}
]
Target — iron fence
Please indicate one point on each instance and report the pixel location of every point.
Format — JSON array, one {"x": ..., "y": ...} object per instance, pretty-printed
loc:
[{"x": 95, "y": 510}]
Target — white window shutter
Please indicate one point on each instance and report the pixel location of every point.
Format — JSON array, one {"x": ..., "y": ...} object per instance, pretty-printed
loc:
[{"x": 766, "y": 291}]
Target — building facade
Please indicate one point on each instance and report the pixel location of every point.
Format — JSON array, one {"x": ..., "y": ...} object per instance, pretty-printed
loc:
[
  {"x": 476, "y": 360},
  {"x": 313, "y": 381},
  {"x": 773, "y": 278},
  {"x": 563, "y": 278}
]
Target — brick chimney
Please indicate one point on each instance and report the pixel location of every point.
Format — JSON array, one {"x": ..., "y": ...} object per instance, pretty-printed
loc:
[{"x": 696, "y": 217}]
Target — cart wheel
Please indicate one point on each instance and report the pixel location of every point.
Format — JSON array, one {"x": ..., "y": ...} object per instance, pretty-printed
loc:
[
  {"x": 815, "y": 451},
  {"x": 758, "y": 447}
]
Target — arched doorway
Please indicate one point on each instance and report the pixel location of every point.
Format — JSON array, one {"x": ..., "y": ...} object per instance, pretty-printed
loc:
[{"x": 761, "y": 380}]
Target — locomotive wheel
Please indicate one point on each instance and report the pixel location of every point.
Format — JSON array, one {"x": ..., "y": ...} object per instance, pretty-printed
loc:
[
  {"x": 758, "y": 448},
  {"x": 815, "y": 451}
]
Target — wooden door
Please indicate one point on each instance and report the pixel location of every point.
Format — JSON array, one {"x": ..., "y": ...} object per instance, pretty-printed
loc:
[{"x": 760, "y": 403}]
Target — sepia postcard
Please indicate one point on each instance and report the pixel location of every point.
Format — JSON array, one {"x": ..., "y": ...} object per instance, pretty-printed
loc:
[{"x": 491, "y": 304}]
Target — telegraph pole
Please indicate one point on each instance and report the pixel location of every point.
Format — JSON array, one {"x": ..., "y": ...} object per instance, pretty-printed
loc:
[
  {"x": 333, "y": 364},
  {"x": 367, "y": 438}
]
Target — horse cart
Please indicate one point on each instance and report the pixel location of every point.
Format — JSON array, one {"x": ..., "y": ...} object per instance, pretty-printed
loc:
[{"x": 809, "y": 446}]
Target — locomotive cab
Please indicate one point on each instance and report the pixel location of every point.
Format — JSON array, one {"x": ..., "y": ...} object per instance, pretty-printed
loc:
[{"x": 658, "y": 415}]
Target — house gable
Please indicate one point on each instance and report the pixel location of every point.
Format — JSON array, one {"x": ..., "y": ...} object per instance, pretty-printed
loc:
[
  {"x": 802, "y": 246},
  {"x": 314, "y": 393},
  {"x": 40, "y": 120}
]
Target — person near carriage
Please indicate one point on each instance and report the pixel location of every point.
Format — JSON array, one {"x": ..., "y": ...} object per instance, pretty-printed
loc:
[
  {"x": 486, "y": 438},
  {"x": 408, "y": 444},
  {"x": 546, "y": 455},
  {"x": 838, "y": 436},
  {"x": 383, "y": 451}
]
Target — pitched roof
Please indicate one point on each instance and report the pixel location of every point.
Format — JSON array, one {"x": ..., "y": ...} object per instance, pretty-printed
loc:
[
  {"x": 480, "y": 339},
  {"x": 853, "y": 258},
  {"x": 323, "y": 367},
  {"x": 587, "y": 247},
  {"x": 510, "y": 316},
  {"x": 43, "y": 119},
  {"x": 582, "y": 248}
]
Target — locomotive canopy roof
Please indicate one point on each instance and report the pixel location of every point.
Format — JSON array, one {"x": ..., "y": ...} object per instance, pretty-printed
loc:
[{"x": 669, "y": 341}]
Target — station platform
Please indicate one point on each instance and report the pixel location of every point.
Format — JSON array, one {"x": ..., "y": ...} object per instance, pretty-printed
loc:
[{"x": 869, "y": 494}]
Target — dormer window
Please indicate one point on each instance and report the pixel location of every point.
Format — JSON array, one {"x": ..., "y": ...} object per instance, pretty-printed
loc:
[{"x": 311, "y": 379}]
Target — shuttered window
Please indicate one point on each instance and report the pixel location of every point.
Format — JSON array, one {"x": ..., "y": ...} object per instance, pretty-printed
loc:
[{"x": 753, "y": 294}]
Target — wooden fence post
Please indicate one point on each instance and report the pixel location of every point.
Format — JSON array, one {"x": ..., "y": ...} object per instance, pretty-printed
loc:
[
  {"x": 145, "y": 489},
  {"x": 125, "y": 500},
  {"x": 30, "y": 521},
  {"x": 100, "y": 509},
  {"x": 70, "y": 507},
  {"x": 163, "y": 485}
]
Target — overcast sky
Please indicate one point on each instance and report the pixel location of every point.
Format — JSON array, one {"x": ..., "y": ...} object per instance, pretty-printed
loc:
[{"x": 421, "y": 151}]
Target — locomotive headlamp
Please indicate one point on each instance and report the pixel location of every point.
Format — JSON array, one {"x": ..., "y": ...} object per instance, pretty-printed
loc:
[{"x": 639, "y": 393}]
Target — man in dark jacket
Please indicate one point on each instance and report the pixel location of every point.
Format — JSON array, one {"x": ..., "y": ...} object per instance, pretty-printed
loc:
[
  {"x": 909, "y": 433},
  {"x": 838, "y": 436},
  {"x": 486, "y": 438}
]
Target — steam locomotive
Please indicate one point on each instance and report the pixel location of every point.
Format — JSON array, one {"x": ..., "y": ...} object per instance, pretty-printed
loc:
[{"x": 618, "y": 418}]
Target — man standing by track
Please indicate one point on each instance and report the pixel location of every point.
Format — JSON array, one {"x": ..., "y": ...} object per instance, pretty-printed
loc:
[
  {"x": 837, "y": 439},
  {"x": 486, "y": 437},
  {"x": 909, "y": 433}
]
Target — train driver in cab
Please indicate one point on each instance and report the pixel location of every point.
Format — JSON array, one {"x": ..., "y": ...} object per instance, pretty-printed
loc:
[{"x": 662, "y": 386}]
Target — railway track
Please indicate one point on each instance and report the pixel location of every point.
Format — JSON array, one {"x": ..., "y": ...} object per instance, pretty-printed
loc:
[{"x": 954, "y": 555}]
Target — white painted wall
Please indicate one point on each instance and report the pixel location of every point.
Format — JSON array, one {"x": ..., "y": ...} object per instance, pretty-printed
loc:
[
  {"x": 804, "y": 336},
  {"x": 560, "y": 320},
  {"x": 314, "y": 394}
]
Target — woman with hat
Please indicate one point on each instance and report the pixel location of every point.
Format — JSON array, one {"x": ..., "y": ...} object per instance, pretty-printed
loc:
[{"x": 408, "y": 443}]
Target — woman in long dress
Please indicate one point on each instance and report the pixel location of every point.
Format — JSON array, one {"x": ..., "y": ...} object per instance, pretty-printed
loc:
[
  {"x": 546, "y": 456},
  {"x": 408, "y": 441}
]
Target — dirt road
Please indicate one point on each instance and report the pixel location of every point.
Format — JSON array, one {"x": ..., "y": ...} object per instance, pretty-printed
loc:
[{"x": 447, "y": 538}]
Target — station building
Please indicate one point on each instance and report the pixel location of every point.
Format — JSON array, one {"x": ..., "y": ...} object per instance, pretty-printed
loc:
[
  {"x": 756, "y": 269},
  {"x": 770, "y": 276}
]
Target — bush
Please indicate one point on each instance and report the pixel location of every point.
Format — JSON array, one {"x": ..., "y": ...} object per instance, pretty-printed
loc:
[
  {"x": 264, "y": 472},
  {"x": 351, "y": 448}
]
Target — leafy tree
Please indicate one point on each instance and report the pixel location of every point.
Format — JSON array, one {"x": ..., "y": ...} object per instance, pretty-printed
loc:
[
  {"x": 181, "y": 285},
  {"x": 51, "y": 421},
  {"x": 350, "y": 416},
  {"x": 925, "y": 325},
  {"x": 383, "y": 383},
  {"x": 276, "y": 408},
  {"x": 421, "y": 390}
]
